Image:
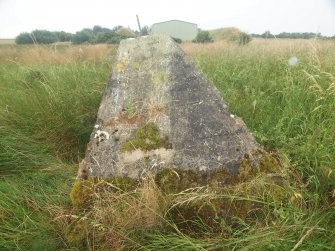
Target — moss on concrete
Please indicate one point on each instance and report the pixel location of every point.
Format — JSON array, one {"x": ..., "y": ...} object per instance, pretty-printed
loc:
[
  {"x": 122, "y": 184},
  {"x": 82, "y": 193},
  {"x": 269, "y": 164},
  {"x": 221, "y": 177},
  {"x": 147, "y": 138},
  {"x": 172, "y": 180},
  {"x": 175, "y": 180},
  {"x": 195, "y": 216},
  {"x": 77, "y": 233},
  {"x": 213, "y": 212}
]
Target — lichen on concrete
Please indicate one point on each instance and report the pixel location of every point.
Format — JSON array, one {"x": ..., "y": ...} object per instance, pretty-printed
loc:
[{"x": 159, "y": 77}]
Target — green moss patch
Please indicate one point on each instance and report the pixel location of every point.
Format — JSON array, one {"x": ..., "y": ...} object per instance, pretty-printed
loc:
[
  {"x": 147, "y": 138},
  {"x": 218, "y": 214},
  {"x": 218, "y": 198},
  {"x": 84, "y": 192},
  {"x": 122, "y": 184},
  {"x": 172, "y": 180},
  {"x": 176, "y": 180},
  {"x": 78, "y": 233}
]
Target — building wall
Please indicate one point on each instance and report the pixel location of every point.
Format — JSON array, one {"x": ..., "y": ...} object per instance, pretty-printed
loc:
[{"x": 177, "y": 29}]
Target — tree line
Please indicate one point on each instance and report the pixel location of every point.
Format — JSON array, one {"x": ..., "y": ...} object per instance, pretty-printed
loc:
[
  {"x": 100, "y": 34},
  {"x": 97, "y": 34},
  {"x": 292, "y": 35}
]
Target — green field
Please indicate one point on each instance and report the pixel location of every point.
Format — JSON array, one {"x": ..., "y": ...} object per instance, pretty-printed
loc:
[{"x": 49, "y": 96}]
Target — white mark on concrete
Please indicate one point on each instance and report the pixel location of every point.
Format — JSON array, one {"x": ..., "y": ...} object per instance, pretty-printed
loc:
[
  {"x": 116, "y": 99},
  {"x": 101, "y": 135}
]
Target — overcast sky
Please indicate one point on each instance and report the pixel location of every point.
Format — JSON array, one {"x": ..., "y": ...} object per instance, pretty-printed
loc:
[{"x": 253, "y": 16}]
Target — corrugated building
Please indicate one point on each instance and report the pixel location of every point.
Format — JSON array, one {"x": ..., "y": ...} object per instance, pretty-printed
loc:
[{"x": 175, "y": 28}]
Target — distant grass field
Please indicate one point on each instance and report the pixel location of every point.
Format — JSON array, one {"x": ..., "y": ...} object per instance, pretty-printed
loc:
[
  {"x": 7, "y": 41},
  {"x": 49, "y": 96}
]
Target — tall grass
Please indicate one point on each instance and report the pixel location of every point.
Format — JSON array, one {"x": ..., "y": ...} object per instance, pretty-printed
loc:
[
  {"x": 47, "y": 111},
  {"x": 32, "y": 209},
  {"x": 48, "y": 104},
  {"x": 49, "y": 97}
]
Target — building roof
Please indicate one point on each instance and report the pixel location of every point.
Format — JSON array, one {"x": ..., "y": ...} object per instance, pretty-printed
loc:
[{"x": 174, "y": 20}]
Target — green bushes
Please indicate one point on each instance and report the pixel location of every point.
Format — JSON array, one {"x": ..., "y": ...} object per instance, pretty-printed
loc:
[
  {"x": 245, "y": 38},
  {"x": 102, "y": 35},
  {"x": 24, "y": 38},
  {"x": 203, "y": 37},
  {"x": 82, "y": 37},
  {"x": 96, "y": 35},
  {"x": 42, "y": 37},
  {"x": 37, "y": 36},
  {"x": 63, "y": 36}
]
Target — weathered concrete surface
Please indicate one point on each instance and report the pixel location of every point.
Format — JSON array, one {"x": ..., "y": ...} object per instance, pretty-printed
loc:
[{"x": 159, "y": 111}]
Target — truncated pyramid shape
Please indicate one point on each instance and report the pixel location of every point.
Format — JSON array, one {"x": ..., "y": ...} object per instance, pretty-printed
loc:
[{"x": 159, "y": 111}]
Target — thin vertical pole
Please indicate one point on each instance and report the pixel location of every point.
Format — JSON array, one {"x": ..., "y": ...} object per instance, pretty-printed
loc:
[{"x": 138, "y": 22}]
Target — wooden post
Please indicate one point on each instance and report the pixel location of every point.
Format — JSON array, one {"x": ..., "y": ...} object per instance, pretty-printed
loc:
[{"x": 139, "y": 25}]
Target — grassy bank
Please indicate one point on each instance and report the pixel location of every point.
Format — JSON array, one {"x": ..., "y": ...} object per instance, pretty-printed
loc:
[{"x": 48, "y": 102}]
